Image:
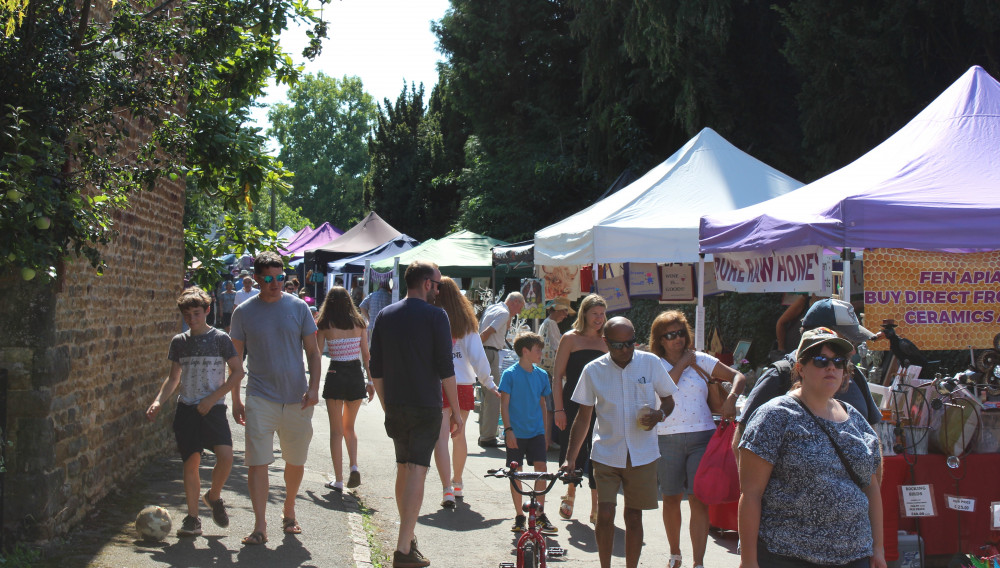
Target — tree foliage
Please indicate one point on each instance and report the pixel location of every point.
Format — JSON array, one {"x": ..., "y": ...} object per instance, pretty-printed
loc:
[
  {"x": 77, "y": 81},
  {"x": 323, "y": 134}
]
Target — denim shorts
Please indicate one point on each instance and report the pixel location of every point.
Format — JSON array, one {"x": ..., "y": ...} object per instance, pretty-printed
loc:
[
  {"x": 765, "y": 559},
  {"x": 680, "y": 455}
]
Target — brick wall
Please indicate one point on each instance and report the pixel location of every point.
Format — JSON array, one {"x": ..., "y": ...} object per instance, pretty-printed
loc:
[{"x": 86, "y": 355}]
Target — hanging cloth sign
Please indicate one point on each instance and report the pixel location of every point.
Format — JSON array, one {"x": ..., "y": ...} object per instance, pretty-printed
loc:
[
  {"x": 677, "y": 283},
  {"x": 799, "y": 269},
  {"x": 643, "y": 280},
  {"x": 614, "y": 292}
]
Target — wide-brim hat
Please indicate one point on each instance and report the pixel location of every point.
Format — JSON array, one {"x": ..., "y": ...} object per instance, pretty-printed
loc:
[
  {"x": 561, "y": 304},
  {"x": 839, "y": 316},
  {"x": 821, "y": 335}
]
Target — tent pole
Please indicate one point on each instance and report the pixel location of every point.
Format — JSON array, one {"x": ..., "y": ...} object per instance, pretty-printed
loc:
[
  {"x": 699, "y": 324},
  {"x": 845, "y": 294},
  {"x": 395, "y": 274},
  {"x": 368, "y": 277}
]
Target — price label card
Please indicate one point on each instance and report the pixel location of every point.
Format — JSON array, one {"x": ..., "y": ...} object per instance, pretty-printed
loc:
[
  {"x": 995, "y": 515},
  {"x": 917, "y": 501},
  {"x": 956, "y": 503}
]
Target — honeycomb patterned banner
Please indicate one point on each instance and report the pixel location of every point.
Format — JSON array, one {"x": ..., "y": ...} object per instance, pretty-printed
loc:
[{"x": 939, "y": 300}]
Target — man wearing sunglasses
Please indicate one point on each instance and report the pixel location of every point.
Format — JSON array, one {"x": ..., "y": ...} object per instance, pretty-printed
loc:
[
  {"x": 275, "y": 327},
  {"x": 623, "y": 387},
  {"x": 838, "y": 316}
]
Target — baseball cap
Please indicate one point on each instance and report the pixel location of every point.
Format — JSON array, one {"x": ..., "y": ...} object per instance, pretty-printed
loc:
[
  {"x": 839, "y": 316},
  {"x": 560, "y": 304},
  {"x": 822, "y": 335}
]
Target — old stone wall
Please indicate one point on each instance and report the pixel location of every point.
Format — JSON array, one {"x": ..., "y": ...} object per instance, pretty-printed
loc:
[{"x": 85, "y": 356}]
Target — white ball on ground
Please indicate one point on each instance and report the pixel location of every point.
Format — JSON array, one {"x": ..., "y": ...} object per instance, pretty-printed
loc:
[{"x": 153, "y": 523}]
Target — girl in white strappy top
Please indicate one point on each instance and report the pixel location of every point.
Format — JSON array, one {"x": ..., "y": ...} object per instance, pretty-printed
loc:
[{"x": 344, "y": 332}]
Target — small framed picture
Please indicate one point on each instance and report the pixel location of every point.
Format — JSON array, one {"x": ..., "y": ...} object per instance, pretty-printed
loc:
[
  {"x": 740, "y": 353},
  {"x": 879, "y": 393}
]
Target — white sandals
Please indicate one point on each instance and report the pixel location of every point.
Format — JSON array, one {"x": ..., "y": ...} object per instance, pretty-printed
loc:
[{"x": 675, "y": 561}]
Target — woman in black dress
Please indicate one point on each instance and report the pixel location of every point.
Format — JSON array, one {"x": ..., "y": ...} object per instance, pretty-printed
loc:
[{"x": 580, "y": 345}]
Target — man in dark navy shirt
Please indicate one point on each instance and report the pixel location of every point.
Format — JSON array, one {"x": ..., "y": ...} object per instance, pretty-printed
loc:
[{"x": 411, "y": 364}]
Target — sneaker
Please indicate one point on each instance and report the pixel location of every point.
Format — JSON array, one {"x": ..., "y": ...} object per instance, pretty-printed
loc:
[
  {"x": 412, "y": 560},
  {"x": 544, "y": 526},
  {"x": 448, "y": 502},
  {"x": 190, "y": 526},
  {"x": 457, "y": 490},
  {"x": 519, "y": 522},
  {"x": 219, "y": 514}
]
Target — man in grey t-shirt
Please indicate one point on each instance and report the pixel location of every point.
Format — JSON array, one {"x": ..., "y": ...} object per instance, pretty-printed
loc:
[{"x": 275, "y": 327}]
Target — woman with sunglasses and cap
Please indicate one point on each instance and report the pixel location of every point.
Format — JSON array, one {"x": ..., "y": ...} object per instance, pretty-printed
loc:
[
  {"x": 810, "y": 467},
  {"x": 684, "y": 435}
]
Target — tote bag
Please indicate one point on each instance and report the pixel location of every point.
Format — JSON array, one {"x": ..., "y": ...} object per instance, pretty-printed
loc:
[{"x": 717, "y": 480}]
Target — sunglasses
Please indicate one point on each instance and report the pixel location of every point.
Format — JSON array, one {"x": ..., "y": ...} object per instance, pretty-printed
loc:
[
  {"x": 438, "y": 282},
  {"x": 622, "y": 344},
  {"x": 268, "y": 279},
  {"x": 822, "y": 361},
  {"x": 672, "y": 335}
]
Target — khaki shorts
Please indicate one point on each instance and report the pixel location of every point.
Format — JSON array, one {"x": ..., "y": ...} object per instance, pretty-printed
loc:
[
  {"x": 290, "y": 421},
  {"x": 639, "y": 483}
]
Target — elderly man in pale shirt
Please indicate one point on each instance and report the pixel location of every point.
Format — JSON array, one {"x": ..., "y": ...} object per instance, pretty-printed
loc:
[
  {"x": 624, "y": 387},
  {"x": 493, "y": 328}
]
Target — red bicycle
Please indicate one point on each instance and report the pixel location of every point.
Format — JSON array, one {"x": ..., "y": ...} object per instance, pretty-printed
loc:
[{"x": 532, "y": 551}]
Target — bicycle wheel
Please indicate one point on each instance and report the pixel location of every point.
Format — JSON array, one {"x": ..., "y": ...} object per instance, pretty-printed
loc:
[{"x": 530, "y": 556}]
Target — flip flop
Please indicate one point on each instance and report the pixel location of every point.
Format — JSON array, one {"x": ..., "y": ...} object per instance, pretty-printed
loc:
[
  {"x": 290, "y": 526},
  {"x": 566, "y": 507},
  {"x": 255, "y": 538},
  {"x": 330, "y": 485}
]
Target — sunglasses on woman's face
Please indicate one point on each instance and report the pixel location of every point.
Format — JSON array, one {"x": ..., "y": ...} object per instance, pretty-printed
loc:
[
  {"x": 672, "y": 335},
  {"x": 822, "y": 361},
  {"x": 268, "y": 279}
]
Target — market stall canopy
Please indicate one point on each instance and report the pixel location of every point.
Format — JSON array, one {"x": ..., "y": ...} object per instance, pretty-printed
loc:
[
  {"x": 299, "y": 237},
  {"x": 459, "y": 255},
  {"x": 655, "y": 218},
  {"x": 356, "y": 264},
  {"x": 515, "y": 260},
  {"x": 286, "y": 234},
  {"x": 934, "y": 185},
  {"x": 371, "y": 232},
  {"x": 320, "y": 236}
]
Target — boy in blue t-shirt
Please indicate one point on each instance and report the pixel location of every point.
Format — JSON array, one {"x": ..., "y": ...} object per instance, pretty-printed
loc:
[
  {"x": 199, "y": 358},
  {"x": 523, "y": 388}
]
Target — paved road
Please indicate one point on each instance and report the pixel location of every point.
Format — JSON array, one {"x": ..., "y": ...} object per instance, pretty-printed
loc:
[{"x": 475, "y": 534}]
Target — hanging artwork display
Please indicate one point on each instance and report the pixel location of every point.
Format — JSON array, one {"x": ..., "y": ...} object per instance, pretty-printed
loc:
[
  {"x": 615, "y": 293},
  {"x": 534, "y": 303},
  {"x": 677, "y": 283},
  {"x": 643, "y": 280}
]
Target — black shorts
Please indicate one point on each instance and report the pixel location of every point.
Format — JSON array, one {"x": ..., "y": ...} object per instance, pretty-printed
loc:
[
  {"x": 195, "y": 432},
  {"x": 531, "y": 448},
  {"x": 345, "y": 381},
  {"x": 414, "y": 431}
]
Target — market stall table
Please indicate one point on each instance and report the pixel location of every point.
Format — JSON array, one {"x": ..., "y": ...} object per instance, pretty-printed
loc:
[{"x": 977, "y": 479}]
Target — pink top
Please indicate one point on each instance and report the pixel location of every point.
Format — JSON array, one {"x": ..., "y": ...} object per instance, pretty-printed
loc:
[{"x": 344, "y": 349}]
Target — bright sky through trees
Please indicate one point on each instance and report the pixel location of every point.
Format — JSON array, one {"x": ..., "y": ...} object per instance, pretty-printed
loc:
[{"x": 382, "y": 41}]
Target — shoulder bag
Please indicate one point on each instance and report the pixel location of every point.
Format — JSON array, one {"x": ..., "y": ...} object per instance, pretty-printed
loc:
[
  {"x": 716, "y": 394},
  {"x": 850, "y": 470}
]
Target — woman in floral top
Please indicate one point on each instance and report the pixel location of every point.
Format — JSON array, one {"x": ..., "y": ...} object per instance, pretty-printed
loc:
[{"x": 809, "y": 470}]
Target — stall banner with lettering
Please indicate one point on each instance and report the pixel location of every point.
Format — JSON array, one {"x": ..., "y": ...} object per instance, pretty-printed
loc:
[
  {"x": 615, "y": 293},
  {"x": 677, "y": 282},
  {"x": 799, "y": 269},
  {"x": 643, "y": 280},
  {"x": 939, "y": 300}
]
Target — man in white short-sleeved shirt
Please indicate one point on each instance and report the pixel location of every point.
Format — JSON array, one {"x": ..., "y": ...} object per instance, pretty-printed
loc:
[{"x": 618, "y": 386}]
